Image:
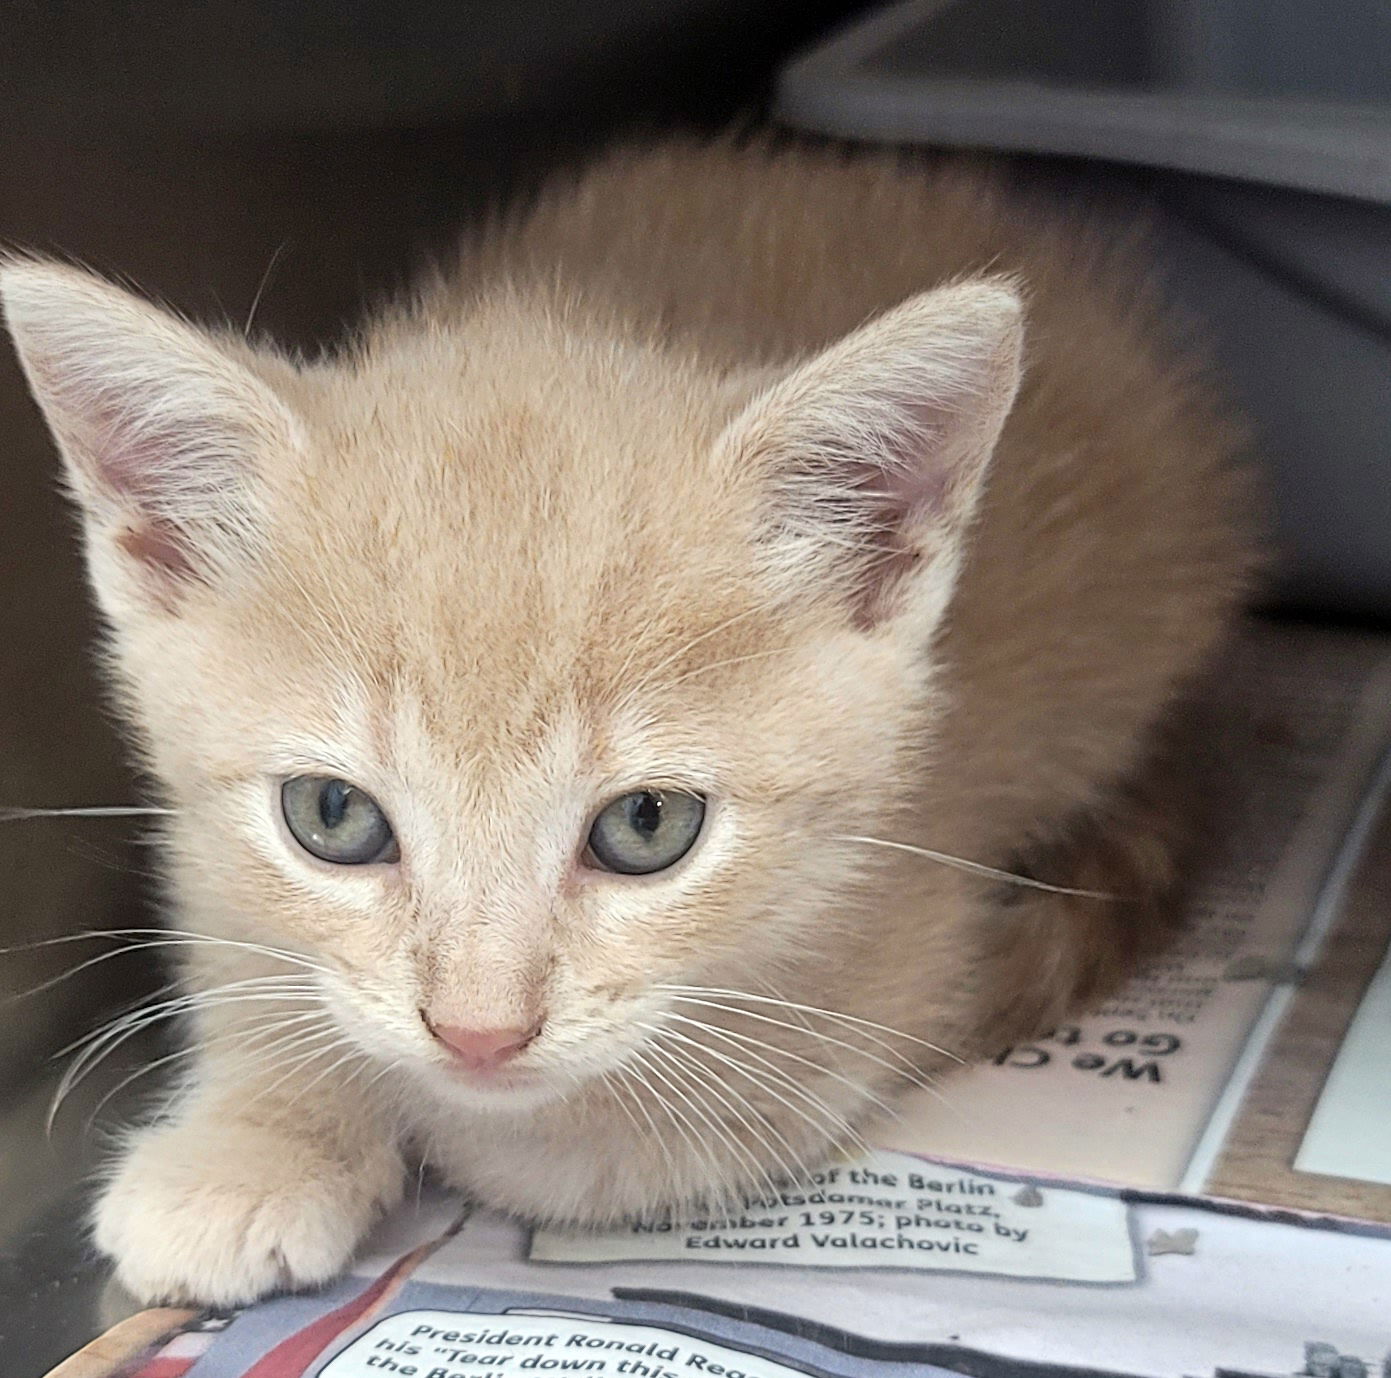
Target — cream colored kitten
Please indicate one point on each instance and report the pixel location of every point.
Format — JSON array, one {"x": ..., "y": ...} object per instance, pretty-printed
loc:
[{"x": 531, "y": 683}]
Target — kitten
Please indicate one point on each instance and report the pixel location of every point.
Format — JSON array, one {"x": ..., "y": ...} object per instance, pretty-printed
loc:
[{"x": 550, "y": 691}]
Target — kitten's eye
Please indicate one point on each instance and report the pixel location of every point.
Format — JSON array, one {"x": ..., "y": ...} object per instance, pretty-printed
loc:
[
  {"x": 645, "y": 831},
  {"x": 336, "y": 821}
]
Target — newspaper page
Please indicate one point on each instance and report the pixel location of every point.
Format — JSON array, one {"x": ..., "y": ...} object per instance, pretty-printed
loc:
[
  {"x": 1206, "y": 1294},
  {"x": 1191, "y": 1181},
  {"x": 1148, "y": 1080}
]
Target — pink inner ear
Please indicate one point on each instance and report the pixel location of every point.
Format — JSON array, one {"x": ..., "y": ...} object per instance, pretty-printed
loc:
[
  {"x": 902, "y": 494},
  {"x": 156, "y": 546},
  {"x": 131, "y": 460},
  {"x": 923, "y": 481},
  {"x": 157, "y": 429},
  {"x": 912, "y": 476},
  {"x": 889, "y": 553},
  {"x": 131, "y": 464},
  {"x": 912, "y": 481}
]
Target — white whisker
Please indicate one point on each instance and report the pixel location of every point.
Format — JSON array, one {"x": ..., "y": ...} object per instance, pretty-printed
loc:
[
  {"x": 92, "y": 1047},
  {"x": 914, "y": 1078},
  {"x": 649, "y": 676},
  {"x": 749, "y": 1045},
  {"x": 162, "y": 937},
  {"x": 760, "y": 1135},
  {"x": 353, "y": 1052},
  {"x": 386, "y": 1069},
  {"x": 977, "y": 868},
  {"x": 13, "y": 813},
  {"x": 297, "y": 1067},
  {"x": 259, "y": 987},
  {"x": 722, "y": 664},
  {"x": 683, "y": 1124},
  {"x": 95, "y": 1048},
  {"x": 897, "y": 1071},
  {"x": 657, "y": 1136},
  {"x": 742, "y": 1069},
  {"x": 682, "y": 1066},
  {"x": 615, "y": 1089},
  {"x": 792, "y": 1005},
  {"x": 279, "y": 1047},
  {"x": 261, "y": 288}
]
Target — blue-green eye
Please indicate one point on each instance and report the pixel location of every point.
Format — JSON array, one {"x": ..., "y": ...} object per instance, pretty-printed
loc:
[
  {"x": 645, "y": 831},
  {"x": 336, "y": 821}
]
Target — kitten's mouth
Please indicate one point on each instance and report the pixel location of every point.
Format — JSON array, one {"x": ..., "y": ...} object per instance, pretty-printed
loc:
[
  {"x": 496, "y": 1082},
  {"x": 492, "y": 1077}
]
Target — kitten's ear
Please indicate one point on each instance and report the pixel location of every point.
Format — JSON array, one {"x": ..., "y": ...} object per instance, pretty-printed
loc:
[
  {"x": 873, "y": 453},
  {"x": 160, "y": 430}
]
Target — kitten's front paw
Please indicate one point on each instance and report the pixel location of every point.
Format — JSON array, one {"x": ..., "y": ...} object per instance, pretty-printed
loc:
[{"x": 220, "y": 1214}]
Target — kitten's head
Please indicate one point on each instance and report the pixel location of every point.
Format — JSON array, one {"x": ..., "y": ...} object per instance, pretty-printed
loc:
[{"x": 513, "y": 667}]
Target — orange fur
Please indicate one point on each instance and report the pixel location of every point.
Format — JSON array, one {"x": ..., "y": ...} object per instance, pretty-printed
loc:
[{"x": 595, "y": 511}]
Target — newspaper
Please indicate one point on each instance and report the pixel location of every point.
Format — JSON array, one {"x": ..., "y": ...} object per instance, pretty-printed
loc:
[{"x": 1194, "y": 1180}]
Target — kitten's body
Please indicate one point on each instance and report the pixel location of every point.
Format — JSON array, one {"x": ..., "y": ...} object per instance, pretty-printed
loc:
[{"x": 553, "y": 534}]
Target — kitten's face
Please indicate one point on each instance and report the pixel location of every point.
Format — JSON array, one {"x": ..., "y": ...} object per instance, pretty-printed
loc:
[{"x": 512, "y": 676}]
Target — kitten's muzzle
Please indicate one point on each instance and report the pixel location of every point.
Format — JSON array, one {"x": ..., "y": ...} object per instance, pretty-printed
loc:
[{"x": 483, "y": 1050}]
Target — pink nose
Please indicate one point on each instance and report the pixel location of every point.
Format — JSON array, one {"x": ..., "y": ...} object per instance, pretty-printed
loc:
[{"x": 482, "y": 1049}]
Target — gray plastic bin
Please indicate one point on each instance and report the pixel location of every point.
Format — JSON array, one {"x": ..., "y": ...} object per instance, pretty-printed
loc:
[{"x": 1259, "y": 138}]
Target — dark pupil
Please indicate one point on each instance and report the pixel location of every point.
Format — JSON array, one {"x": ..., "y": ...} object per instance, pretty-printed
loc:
[
  {"x": 333, "y": 803},
  {"x": 645, "y": 814}
]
